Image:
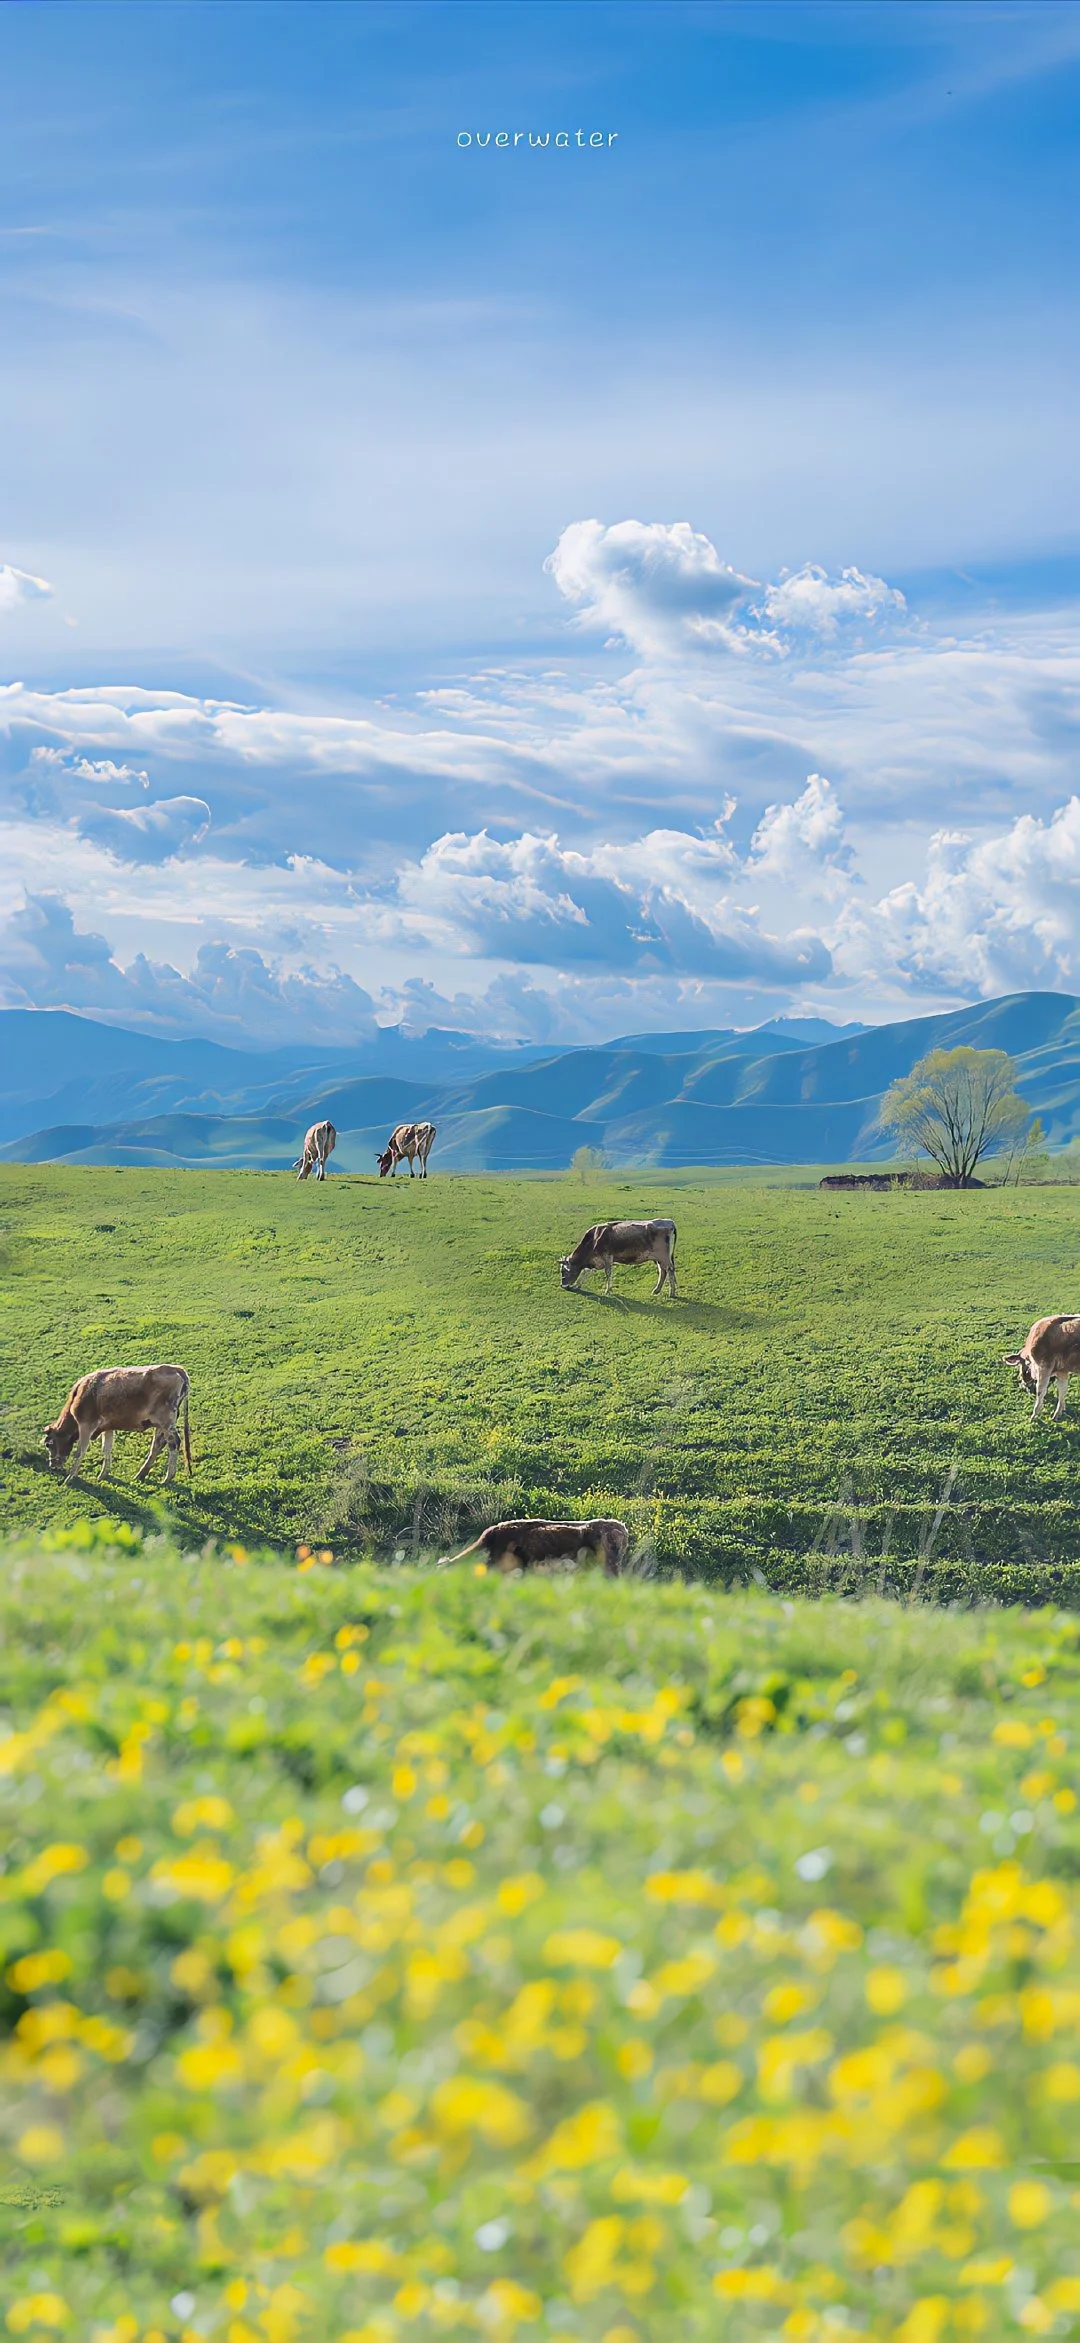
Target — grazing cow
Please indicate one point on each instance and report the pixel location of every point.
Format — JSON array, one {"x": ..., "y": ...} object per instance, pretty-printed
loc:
[
  {"x": 1050, "y": 1355},
  {"x": 320, "y": 1142},
  {"x": 624, "y": 1240},
  {"x": 122, "y": 1399},
  {"x": 408, "y": 1142},
  {"x": 520, "y": 1545}
]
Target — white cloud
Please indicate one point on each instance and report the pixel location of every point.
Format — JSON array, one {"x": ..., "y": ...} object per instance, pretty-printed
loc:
[
  {"x": 663, "y": 588},
  {"x": 808, "y": 601},
  {"x": 659, "y": 586},
  {"x": 803, "y": 844},
  {"x": 995, "y": 915},
  {"x": 148, "y": 833},
  {"x": 232, "y": 994},
  {"x": 19, "y": 585},
  {"x": 657, "y": 905},
  {"x": 103, "y": 769}
]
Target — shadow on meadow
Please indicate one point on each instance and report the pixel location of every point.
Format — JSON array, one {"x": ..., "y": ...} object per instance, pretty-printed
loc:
[
  {"x": 190, "y": 1514},
  {"x": 691, "y": 1313}
]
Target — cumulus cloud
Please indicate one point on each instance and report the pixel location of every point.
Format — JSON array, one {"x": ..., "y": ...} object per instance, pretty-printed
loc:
[
  {"x": 19, "y": 585},
  {"x": 808, "y": 601},
  {"x": 659, "y": 586},
  {"x": 663, "y": 588},
  {"x": 994, "y": 915},
  {"x": 803, "y": 844},
  {"x": 651, "y": 906},
  {"x": 99, "y": 770},
  {"x": 232, "y": 994},
  {"x": 148, "y": 833}
]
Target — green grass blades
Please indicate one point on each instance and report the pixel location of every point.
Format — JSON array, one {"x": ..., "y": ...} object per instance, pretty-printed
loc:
[
  {"x": 387, "y": 1366},
  {"x": 392, "y": 1954}
]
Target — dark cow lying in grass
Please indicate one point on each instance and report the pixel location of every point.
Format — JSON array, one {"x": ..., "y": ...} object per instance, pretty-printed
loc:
[
  {"x": 521, "y": 1545},
  {"x": 630, "y": 1241},
  {"x": 1050, "y": 1355},
  {"x": 122, "y": 1399}
]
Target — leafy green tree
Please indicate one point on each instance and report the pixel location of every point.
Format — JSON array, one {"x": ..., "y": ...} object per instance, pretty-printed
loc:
[
  {"x": 956, "y": 1106},
  {"x": 586, "y": 1160}
]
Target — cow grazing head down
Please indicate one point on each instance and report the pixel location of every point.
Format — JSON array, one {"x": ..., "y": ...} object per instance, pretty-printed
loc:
[
  {"x": 567, "y": 1271},
  {"x": 59, "y": 1440},
  {"x": 1028, "y": 1378},
  {"x": 384, "y": 1161}
]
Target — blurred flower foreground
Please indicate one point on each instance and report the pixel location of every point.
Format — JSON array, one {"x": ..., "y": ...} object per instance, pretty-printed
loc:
[{"x": 390, "y": 1954}]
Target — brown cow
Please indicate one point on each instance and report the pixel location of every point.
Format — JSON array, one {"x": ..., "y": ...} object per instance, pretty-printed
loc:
[
  {"x": 1050, "y": 1355},
  {"x": 122, "y": 1399},
  {"x": 406, "y": 1142},
  {"x": 319, "y": 1143},
  {"x": 624, "y": 1240},
  {"x": 520, "y": 1545}
]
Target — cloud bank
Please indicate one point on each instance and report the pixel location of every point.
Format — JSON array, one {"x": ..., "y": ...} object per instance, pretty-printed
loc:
[{"x": 795, "y": 793}]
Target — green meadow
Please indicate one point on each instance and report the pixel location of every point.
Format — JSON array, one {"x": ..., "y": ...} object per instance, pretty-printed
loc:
[
  {"x": 383, "y": 1367},
  {"x": 388, "y": 1954}
]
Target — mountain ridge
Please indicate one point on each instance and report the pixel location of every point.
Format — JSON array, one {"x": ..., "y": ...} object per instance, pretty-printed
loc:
[{"x": 719, "y": 1097}]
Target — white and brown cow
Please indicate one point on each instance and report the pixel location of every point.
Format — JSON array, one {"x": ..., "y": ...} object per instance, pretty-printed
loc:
[
  {"x": 521, "y": 1545},
  {"x": 320, "y": 1142},
  {"x": 408, "y": 1143},
  {"x": 122, "y": 1399},
  {"x": 630, "y": 1241},
  {"x": 1050, "y": 1354}
]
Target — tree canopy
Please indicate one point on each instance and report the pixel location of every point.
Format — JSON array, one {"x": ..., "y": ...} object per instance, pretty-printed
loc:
[{"x": 956, "y": 1106}]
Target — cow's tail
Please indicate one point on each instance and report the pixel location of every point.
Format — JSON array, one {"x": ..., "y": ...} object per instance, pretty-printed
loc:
[
  {"x": 187, "y": 1433},
  {"x": 674, "y": 1239},
  {"x": 446, "y": 1559}
]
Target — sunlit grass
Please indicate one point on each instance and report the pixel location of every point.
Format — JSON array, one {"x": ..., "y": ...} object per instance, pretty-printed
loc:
[{"x": 396, "y": 1954}]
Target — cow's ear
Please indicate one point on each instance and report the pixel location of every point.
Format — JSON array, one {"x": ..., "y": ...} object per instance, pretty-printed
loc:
[{"x": 1012, "y": 1358}]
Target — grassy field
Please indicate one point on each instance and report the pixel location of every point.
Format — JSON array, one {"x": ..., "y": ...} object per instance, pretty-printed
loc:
[
  {"x": 389, "y": 1954},
  {"x": 384, "y": 1366}
]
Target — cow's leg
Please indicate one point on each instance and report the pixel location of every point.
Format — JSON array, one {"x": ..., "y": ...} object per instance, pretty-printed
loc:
[
  {"x": 609, "y": 1274},
  {"x": 173, "y": 1438},
  {"x": 75, "y": 1466},
  {"x": 1042, "y": 1386},
  {"x": 107, "y": 1439},
  {"x": 1062, "y": 1382},
  {"x": 661, "y": 1279},
  {"x": 155, "y": 1448},
  {"x": 671, "y": 1285}
]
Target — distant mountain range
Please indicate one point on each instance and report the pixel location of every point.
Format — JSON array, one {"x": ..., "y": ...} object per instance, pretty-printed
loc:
[{"x": 794, "y": 1091}]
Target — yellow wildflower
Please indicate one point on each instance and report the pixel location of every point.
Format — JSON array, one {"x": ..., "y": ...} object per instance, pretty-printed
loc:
[
  {"x": 53, "y": 1862},
  {"x": 468, "y": 2104},
  {"x": 589, "y": 2137},
  {"x": 210, "y": 1813},
  {"x": 886, "y": 1990},
  {"x": 589, "y": 2263},
  {"x": 1030, "y": 2204},
  {"x": 981, "y": 2149},
  {"x": 37, "y": 2310},
  {"x": 37, "y": 1969},
  {"x": 40, "y": 2144},
  {"x": 581, "y": 1948}
]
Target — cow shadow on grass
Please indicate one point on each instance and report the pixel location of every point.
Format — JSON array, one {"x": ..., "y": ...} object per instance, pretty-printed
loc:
[
  {"x": 690, "y": 1313},
  {"x": 181, "y": 1510}
]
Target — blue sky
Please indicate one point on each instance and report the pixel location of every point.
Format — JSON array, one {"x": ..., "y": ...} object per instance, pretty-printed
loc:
[{"x": 425, "y": 564}]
